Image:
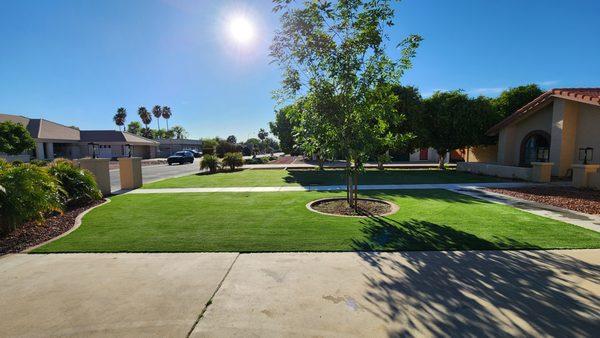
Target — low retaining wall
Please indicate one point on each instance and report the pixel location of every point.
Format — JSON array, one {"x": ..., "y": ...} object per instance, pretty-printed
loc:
[{"x": 495, "y": 170}]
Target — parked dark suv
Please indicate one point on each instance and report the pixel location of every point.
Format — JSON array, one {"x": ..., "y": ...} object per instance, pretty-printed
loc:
[
  {"x": 181, "y": 157},
  {"x": 196, "y": 153}
]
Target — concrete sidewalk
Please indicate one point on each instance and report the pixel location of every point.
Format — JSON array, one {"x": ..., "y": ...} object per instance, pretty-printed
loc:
[
  {"x": 473, "y": 293},
  {"x": 408, "y": 294},
  {"x": 336, "y": 188}
]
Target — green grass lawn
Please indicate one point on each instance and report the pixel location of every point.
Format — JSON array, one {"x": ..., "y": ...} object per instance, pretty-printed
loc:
[
  {"x": 253, "y": 222},
  {"x": 275, "y": 178}
]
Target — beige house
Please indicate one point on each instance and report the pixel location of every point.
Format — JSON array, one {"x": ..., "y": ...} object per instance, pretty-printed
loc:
[
  {"x": 53, "y": 140},
  {"x": 562, "y": 126}
]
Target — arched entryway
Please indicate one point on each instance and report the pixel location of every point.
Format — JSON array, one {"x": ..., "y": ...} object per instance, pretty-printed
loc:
[{"x": 535, "y": 147}]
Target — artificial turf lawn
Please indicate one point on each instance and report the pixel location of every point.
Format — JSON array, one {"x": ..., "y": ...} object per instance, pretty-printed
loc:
[
  {"x": 251, "y": 222},
  {"x": 280, "y": 177}
]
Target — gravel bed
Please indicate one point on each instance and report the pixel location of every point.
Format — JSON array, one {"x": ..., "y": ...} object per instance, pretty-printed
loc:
[
  {"x": 581, "y": 200},
  {"x": 32, "y": 233}
]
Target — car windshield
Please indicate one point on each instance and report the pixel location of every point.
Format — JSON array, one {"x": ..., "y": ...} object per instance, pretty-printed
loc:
[{"x": 181, "y": 153}]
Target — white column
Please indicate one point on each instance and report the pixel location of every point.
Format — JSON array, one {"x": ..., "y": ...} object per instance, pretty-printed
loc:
[
  {"x": 39, "y": 150},
  {"x": 49, "y": 150}
]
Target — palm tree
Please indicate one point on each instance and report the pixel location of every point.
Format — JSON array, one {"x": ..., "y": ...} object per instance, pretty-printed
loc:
[
  {"x": 262, "y": 135},
  {"x": 157, "y": 112},
  {"x": 120, "y": 117},
  {"x": 166, "y": 114},
  {"x": 145, "y": 116},
  {"x": 179, "y": 132}
]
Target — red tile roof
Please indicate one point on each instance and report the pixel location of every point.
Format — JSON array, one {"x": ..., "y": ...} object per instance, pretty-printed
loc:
[{"x": 585, "y": 95}]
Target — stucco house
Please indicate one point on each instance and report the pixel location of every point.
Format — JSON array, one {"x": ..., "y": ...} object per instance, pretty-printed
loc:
[
  {"x": 54, "y": 140},
  {"x": 562, "y": 126}
]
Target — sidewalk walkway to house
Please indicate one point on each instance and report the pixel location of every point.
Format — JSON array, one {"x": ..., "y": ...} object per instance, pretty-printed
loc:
[
  {"x": 335, "y": 188},
  {"x": 458, "y": 293}
]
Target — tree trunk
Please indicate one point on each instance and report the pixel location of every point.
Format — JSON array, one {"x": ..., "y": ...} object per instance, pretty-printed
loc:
[
  {"x": 348, "y": 183},
  {"x": 355, "y": 188},
  {"x": 441, "y": 160}
]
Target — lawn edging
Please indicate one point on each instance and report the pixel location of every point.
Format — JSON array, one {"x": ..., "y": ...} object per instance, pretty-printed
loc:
[{"x": 78, "y": 221}]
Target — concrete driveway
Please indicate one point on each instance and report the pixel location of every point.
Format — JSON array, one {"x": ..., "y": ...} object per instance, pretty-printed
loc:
[
  {"x": 477, "y": 293},
  {"x": 153, "y": 173}
]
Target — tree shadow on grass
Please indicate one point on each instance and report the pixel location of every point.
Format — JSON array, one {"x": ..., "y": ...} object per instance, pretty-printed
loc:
[{"x": 473, "y": 293}]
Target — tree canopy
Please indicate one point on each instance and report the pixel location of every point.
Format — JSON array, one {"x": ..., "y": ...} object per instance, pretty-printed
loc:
[
  {"x": 14, "y": 138},
  {"x": 283, "y": 130},
  {"x": 452, "y": 120},
  {"x": 512, "y": 99}
]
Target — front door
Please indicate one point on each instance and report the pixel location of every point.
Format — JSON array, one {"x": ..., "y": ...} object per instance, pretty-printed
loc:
[{"x": 424, "y": 154}]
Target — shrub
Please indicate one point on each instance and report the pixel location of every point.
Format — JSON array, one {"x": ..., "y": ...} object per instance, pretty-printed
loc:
[
  {"x": 17, "y": 163},
  {"x": 40, "y": 163},
  {"x": 78, "y": 185},
  {"x": 257, "y": 160},
  {"x": 233, "y": 160},
  {"x": 30, "y": 192},
  {"x": 210, "y": 162},
  {"x": 14, "y": 138}
]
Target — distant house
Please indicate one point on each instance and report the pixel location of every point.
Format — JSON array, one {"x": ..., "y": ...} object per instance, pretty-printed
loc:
[
  {"x": 561, "y": 126},
  {"x": 53, "y": 140},
  {"x": 169, "y": 146}
]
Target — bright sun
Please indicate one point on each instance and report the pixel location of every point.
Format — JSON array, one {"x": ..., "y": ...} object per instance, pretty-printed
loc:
[{"x": 241, "y": 29}]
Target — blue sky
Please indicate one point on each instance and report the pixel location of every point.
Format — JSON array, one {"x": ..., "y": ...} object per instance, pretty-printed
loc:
[{"x": 76, "y": 62}]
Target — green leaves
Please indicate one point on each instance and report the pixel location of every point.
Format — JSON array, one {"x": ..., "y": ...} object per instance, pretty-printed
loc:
[{"x": 14, "y": 138}]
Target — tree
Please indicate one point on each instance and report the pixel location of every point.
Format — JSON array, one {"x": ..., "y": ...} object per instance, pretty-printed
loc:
[
  {"x": 231, "y": 139},
  {"x": 262, "y": 134},
  {"x": 157, "y": 112},
  {"x": 283, "y": 130},
  {"x": 147, "y": 133},
  {"x": 166, "y": 114},
  {"x": 120, "y": 117},
  {"x": 145, "y": 116},
  {"x": 14, "y": 138},
  {"x": 512, "y": 99},
  {"x": 134, "y": 127},
  {"x": 451, "y": 120},
  {"x": 334, "y": 55},
  {"x": 179, "y": 132}
]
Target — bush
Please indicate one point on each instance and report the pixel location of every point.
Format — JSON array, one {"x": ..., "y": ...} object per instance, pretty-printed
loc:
[
  {"x": 210, "y": 162},
  {"x": 30, "y": 192},
  {"x": 233, "y": 160},
  {"x": 40, "y": 163},
  {"x": 257, "y": 160},
  {"x": 78, "y": 185},
  {"x": 17, "y": 163}
]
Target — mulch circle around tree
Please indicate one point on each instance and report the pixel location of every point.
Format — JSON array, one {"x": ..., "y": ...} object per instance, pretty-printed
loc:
[
  {"x": 32, "y": 233},
  {"x": 367, "y": 207}
]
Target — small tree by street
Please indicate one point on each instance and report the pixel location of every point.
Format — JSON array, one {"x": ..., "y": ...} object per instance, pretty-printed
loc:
[
  {"x": 14, "y": 138},
  {"x": 333, "y": 54}
]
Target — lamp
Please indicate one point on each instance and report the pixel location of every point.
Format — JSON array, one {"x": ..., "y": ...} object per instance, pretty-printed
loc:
[
  {"x": 93, "y": 146},
  {"x": 586, "y": 154}
]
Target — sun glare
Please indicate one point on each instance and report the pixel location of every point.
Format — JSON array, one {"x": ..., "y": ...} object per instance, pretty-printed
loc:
[{"x": 241, "y": 29}]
